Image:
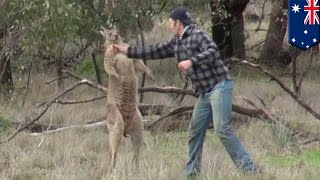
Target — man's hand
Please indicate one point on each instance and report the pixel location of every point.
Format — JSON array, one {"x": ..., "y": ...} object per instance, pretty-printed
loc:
[
  {"x": 185, "y": 65},
  {"x": 120, "y": 48}
]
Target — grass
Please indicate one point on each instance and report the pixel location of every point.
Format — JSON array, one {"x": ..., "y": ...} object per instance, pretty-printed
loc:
[
  {"x": 306, "y": 158},
  {"x": 82, "y": 153}
]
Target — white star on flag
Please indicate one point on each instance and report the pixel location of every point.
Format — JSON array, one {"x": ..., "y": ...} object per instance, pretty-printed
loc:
[
  {"x": 305, "y": 32},
  {"x": 293, "y": 40},
  {"x": 314, "y": 40},
  {"x": 295, "y": 8}
]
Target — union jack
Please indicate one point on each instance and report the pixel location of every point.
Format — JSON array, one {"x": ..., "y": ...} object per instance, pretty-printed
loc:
[{"x": 312, "y": 17}]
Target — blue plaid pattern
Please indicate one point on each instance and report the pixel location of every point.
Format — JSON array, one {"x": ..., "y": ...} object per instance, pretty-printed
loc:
[{"x": 207, "y": 67}]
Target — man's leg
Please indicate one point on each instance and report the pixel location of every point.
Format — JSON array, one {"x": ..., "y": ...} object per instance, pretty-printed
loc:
[
  {"x": 201, "y": 117},
  {"x": 221, "y": 102}
]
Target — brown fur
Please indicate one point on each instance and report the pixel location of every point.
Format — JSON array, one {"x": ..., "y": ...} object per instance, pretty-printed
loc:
[{"x": 123, "y": 116}]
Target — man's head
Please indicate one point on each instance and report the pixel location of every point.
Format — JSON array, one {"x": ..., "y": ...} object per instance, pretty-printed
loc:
[{"x": 179, "y": 18}]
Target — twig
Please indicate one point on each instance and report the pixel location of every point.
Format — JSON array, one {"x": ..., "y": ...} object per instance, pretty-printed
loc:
[
  {"x": 305, "y": 73},
  {"x": 262, "y": 15},
  {"x": 260, "y": 99},
  {"x": 183, "y": 95},
  {"x": 57, "y": 78},
  {"x": 254, "y": 46}
]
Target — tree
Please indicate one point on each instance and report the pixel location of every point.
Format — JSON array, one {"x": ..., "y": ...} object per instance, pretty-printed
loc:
[
  {"x": 275, "y": 35},
  {"x": 6, "y": 83},
  {"x": 228, "y": 26}
]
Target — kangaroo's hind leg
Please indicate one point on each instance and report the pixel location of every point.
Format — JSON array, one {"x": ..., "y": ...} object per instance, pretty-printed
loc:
[
  {"x": 136, "y": 137},
  {"x": 115, "y": 127}
]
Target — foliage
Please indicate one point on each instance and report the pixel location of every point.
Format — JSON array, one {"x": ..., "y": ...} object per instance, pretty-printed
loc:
[
  {"x": 5, "y": 124},
  {"x": 86, "y": 67}
]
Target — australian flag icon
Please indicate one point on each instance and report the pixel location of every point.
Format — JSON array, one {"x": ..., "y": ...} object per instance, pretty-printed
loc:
[{"x": 304, "y": 23}]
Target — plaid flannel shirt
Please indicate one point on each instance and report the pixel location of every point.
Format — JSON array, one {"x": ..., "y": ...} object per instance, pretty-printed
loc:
[{"x": 207, "y": 68}]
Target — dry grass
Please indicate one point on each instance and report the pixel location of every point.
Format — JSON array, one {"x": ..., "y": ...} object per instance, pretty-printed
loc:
[{"x": 82, "y": 154}]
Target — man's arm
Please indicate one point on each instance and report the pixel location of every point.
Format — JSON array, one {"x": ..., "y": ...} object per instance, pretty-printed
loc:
[
  {"x": 157, "y": 51},
  {"x": 209, "y": 50}
]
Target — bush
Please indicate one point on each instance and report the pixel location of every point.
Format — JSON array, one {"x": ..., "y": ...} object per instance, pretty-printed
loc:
[
  {"x": 86, "y": 67},
  {"x": 5, "y": 124}
]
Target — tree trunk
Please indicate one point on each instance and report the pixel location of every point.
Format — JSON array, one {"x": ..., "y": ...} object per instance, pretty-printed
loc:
[
  {"x": 237, "y": 36},
  {"x": 236, "y": 8},
  {"x": 59, "y": 64},
  {"x": 221, "y": 29},
  {"x": 96, "y": 69},
  {"x": 6, "y": 83},
  {"x": 228, "y": 31},
  {"x": 275, "y": 35},
  {"x": 144, "y": 60}
]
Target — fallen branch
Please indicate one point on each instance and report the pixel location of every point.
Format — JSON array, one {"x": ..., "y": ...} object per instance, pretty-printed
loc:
[
  {"x": 96, "y": 124},
  {"x": 167, "y": 90},
  {"x": 80, "y": 102},
  {"x": 278, "y": 81},
  {"x": 45, "y": 108},
  {"x": 171, "y": 113},
  {"x": 311, "y": 141}
]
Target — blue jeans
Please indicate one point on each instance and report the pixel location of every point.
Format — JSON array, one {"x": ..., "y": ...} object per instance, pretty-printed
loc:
[{"x": 215, "y": 105}]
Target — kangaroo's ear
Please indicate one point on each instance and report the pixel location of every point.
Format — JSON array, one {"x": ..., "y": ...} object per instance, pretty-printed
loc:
[
  {"x": 103, "y": 28},
  {"x": 102, "y": 33}
]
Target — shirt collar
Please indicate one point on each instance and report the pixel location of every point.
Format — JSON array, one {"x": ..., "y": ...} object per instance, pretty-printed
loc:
[{"x": 187, "y": 30}]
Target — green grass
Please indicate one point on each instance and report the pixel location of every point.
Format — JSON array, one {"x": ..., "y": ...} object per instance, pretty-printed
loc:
[
  {"x": 306, "y": 158},
  {"x": 5, "y": 125}
]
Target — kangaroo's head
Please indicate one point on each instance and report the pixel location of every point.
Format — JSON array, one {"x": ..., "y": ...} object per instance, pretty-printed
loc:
[{"x": 111, "y": 36}]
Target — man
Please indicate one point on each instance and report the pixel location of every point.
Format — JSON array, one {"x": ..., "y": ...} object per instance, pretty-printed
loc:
[{"x": 199, "y": 58}]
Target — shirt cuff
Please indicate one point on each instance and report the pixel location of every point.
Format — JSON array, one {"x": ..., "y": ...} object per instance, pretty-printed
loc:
[
  {"x": 129, "y": 52},
  {"x": 194, "y": 61}
]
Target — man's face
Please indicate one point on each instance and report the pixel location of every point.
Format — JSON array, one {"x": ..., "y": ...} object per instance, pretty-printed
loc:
[{"x": 176, "y": 27}]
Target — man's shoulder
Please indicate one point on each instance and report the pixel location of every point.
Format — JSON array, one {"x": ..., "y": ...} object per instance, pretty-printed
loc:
[{"x": 197, "y": 31}]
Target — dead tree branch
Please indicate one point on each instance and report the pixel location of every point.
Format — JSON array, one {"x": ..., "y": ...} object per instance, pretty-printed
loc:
[
  {"x": 311, "y": 141},
  {"x": 55, "y": 79},
  {"x": 167, "y": 90},
  {"x": 92, "y": 84},
  {"x": 96, "y": 124},
  {"x": 280, "y": 83},
  {"x": 72, "y": 102},
  {"x": 45, "y": 108},
  {"x": 171, "y": 113}
]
